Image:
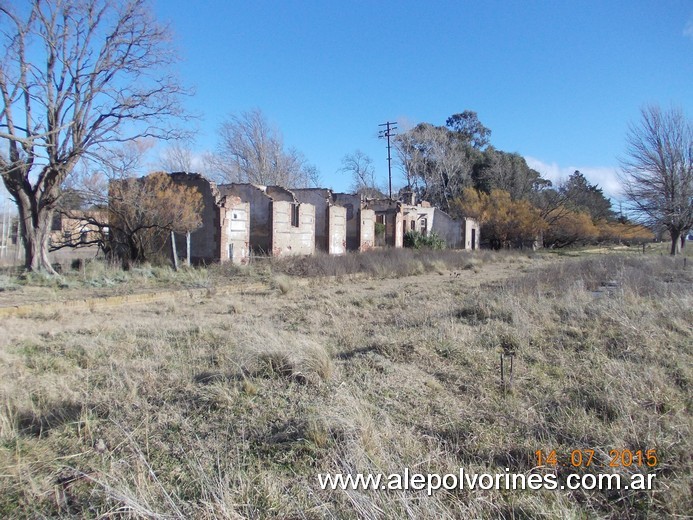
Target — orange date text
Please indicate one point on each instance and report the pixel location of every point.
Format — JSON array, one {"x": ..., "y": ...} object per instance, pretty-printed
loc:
[{"x": 584, "y": 458}]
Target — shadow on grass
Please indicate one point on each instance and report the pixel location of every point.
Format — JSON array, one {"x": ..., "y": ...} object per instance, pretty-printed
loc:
[{"x": 37, "y": 424}]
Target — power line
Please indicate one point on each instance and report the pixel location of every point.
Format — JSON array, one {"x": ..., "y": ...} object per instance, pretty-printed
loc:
[{"x": 386, "y": 134}]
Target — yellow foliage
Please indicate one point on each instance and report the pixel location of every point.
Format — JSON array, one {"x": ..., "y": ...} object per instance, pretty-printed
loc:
[
  {"x": 143, "y": 212},
  {"x": 620, "y": 232},
  {"x": 472, "y": 203},
  {"x": 568, "y": 227},
  {"x": 504, "y": 220},
  {"x": 155, "y": 201},
  {"x": 177, "y": 205}
]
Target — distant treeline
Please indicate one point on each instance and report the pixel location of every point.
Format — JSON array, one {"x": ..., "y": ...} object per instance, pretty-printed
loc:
[{"x": 456, "y": 168}]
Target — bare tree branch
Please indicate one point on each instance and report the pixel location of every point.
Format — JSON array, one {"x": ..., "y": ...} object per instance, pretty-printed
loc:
[
  {"x": 657, "y": 171},
  {"x": 177, "y": 157},
  {"x": 83, "y": 75},
  {"x": 250, "y": 150},
  {"x": 360, "y": 167}
]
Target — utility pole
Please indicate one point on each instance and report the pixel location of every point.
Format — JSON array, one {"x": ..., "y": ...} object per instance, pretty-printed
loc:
[{"x": 387, "y": 133}]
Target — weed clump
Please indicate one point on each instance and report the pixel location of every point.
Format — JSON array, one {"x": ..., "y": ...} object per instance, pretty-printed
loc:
[
  {"x": 278, "y": 355},
  {"x": 282, "y": 283},
  {"x": 417, "y": 240}
]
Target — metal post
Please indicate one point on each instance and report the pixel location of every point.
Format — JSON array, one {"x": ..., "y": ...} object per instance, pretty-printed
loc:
[
  {"x": 502, "y": 372},
  {"x": 174, "y": 253},
  {"x": 187, "y": 247}
]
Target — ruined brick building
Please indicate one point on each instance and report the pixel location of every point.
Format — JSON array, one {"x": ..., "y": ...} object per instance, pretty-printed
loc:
[
  {"x": 397, "y": 217},
  {"x": 240, "y": 220}
]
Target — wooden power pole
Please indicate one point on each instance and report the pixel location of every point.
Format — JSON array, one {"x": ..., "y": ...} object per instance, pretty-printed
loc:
[{"x": 386, "y": 134}]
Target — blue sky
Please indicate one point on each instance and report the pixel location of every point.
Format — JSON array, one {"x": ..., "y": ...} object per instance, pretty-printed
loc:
[{"x": 556, "y": 81}]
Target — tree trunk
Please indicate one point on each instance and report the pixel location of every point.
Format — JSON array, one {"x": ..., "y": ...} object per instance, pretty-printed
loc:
[
  {"x": 683, "y": 240},
  {"x": 135, "y": 252},
  {"x": 35, "y": 227},
  {"x": 675, "y": 241}
]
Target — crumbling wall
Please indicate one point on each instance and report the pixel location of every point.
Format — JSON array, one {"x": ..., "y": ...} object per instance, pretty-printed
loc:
[
  {"x": 337, "y": 227},
  {"x": 260, "y": 229},
  {"x": 399, "y": 233},
  {"x": 76, "y": 227},
  {"x": 290, "y": 239},
  {"x": 235, "y": 230},
  {"x": 446, "y": 228},
  {"x": 419, "y": 218},
  {"x": 426, "y": 219},
  {"x": 389, "y": 212},
  {"x": 471, "y": 233},
  {"x": 366, "y": 239},
  {"x": 353, "y": 205},
  {"x": 318, "y": 197},
  {"x": 279, "y": 193}
]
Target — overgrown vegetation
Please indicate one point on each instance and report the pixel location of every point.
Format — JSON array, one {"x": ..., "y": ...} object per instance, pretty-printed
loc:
[
  {"x": 229, "y": 405},
  {"x": 556, "y": 221},
  {"x": 143, "y": 212},
  {"x": 457, "y": 169},
  {"x": 378, "y": 263},
  {"x": 418, "y": 240},
  {"x": 381, "y": 263}
]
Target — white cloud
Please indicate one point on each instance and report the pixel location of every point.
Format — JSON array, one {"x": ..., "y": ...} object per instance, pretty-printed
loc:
[
  {"x": 605, "y": 177},
  {"x": 688, "y": 30}
]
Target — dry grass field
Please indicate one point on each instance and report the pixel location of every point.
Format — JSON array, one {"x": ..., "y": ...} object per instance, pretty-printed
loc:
[{"x": 224, "y": 395}]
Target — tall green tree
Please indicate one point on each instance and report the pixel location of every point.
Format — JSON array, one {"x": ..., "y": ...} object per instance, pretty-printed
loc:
[
  {"x": 580, "y": 195},
  {"x": 469, "y": 128},
  {"x": 509, "y": 172}
]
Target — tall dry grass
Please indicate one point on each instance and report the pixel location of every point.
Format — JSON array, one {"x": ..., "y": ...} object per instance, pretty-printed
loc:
[
  {"x": 382, "y": 263},
  {"x": 227, "y": 406}
]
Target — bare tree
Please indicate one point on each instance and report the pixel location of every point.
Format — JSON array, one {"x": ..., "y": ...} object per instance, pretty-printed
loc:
[
  {"x": 436, "y": 162},
  {"x": 360, "y": 167},
  {"x": 135, "y": 214},
  {"x": 91, "y": 179},
  {"x": 251, "y": 150},
  {"x": 657, "y": 172},
  {"x": 75, "y": 77},
  {"x": 178, "y": 157},
  {"x": 142, "y": 213}
]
